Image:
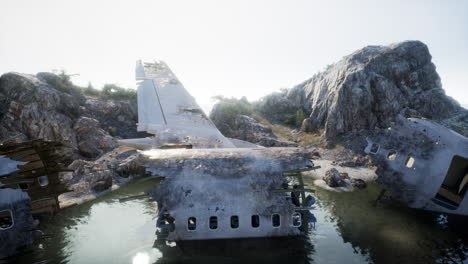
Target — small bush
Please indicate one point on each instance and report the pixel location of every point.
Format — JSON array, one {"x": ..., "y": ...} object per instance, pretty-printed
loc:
[
  {"x": 114, "y": 92},
  {"x": 295, "y": 119},
  {"x": 60, "y": 81},
  {"x": 91, "y": 91},
  {"x": 226, "y": 109},
  {"x": 113, "y": 131}
]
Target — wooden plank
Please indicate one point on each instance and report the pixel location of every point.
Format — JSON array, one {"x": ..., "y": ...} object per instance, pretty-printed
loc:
[
  {"x": 33, "y": 157},
  {"x": 9, "y": 149},
  {"x": 32, "y": 166},
  {"x": 45, "y": 205},
  {"x": 19, "y": 154},
  {"x": 26, "y": 174}
]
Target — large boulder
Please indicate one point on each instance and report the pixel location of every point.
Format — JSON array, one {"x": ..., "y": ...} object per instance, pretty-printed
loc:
[
  {"x": 31, "y": 109},
  {"x": 92, "y": 140},
  {"x": 114, "y": 167},
  {"x": 248, "y": 129},
  {"x": 119, "y": 118},
  {"x": 48, "y": 106},
  {"x": 370, "y": 87},
  {"x": 334, "y": 179}
]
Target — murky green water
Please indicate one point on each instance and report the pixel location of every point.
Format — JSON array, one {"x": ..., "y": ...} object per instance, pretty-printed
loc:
[{"x": 349, "y": 229}]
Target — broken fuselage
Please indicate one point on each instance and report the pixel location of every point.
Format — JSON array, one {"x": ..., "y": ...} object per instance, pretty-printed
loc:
[{"x": 423, "y": 164}]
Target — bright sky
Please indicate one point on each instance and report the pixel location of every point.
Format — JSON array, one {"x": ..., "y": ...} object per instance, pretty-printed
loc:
[{"x": 233, "y": 48}]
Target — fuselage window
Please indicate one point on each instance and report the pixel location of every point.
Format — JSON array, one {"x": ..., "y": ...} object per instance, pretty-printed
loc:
[
  {"x": 296, "y": 219},
  {"x": 409, "y": 162},
  {"x": 391, "y": 155},
  {"x": 234, "y": 221},
  {"x": 213, "y": 222},
  {"x": 275, "y": 220},
  {"x": 6, "y": 219},
  {"x": 192, "y": 223},
  {"x": 43, "y": 181},
  {"x": 255, "y": 221},
  {"x": 374, "y": 148}
]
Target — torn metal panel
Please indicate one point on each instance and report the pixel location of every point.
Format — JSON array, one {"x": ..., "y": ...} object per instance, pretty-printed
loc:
[
  {"x": 17, "y": 227},
  {"x": 32, "y": 167}
]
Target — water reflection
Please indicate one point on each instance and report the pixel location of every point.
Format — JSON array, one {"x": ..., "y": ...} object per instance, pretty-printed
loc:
[
  {"x": 349, "y": 229},
  {"x": 388, "y": 233},
  {"x": 253, "y": 250}
]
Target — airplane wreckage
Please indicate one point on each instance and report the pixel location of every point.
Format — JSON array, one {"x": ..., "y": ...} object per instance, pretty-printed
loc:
[
  {"x": 29, "y": 187},
  {"x": 423, "y": 164},
  {"x": 222, "y": 188},
  {"x": 215, "y": 188}
]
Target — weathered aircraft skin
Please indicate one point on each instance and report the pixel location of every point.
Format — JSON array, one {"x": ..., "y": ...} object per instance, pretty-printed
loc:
[
  {"x": 230, "y": 193},
  {"x": 17, "y": 227},
  {"x": 423, "y": 164},
  {"x": 168, "y": 111}
]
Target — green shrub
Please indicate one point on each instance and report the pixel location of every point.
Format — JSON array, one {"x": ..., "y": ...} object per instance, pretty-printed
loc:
[
  {"x": 226, "y": 109},
  {"x": 60, "y": 81},
  {"x": 91, "y": 91},
  {"x": 114, "y": 92},
  {"x": 295, "y": 119}
]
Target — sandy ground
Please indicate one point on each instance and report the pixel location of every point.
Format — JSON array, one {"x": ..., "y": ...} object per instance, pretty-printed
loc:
[{"x": 362, "y": 173}]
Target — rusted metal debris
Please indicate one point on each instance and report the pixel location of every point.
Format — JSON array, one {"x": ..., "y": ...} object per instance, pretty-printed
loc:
[{"x": 36, "y": 172}]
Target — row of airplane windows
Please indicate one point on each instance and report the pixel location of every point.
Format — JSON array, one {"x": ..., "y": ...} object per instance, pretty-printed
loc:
[{"x": 255, "y": 221}]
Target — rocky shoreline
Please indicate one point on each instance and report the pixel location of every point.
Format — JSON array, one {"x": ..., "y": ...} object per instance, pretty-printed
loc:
[{"x": 333, "y": 111}]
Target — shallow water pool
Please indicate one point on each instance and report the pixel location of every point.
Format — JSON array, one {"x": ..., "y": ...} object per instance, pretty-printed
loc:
[{"x": 350, "y": 228}]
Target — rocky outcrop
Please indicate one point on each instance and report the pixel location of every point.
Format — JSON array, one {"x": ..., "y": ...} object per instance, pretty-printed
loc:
[
  {"x": 368, "y": 89},
  {"x": 333, "y": 178},
  {"x": 248, "y": 129},
  {"x": 115, "y": 167},
  {"x": 92, "y": 140},
  {"x": 31, "y": 109},
  {"x": 118, "y": 118},
  {"x": 277, "y": 106},
  {"x": 46, "y": 106}
]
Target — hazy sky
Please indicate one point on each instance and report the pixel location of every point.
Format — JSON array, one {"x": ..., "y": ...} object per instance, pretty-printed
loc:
[{"x": 233, "y": 48}]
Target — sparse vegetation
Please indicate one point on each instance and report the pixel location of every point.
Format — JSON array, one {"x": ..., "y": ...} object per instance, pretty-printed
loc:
[
  {"x": 228, "y": 108},
  {"x": 114, "y": 92},
  {"x": 62, "y": 82},
  {"x": 91, "y": 91},
  {"x": 295, "y": 119}
]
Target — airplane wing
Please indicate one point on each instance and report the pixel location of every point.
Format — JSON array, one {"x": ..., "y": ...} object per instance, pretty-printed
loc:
[{"x": 168, "y": 111}]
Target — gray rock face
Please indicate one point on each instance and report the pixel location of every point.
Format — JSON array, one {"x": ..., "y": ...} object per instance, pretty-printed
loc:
[
  {"x": 249, "y": 129},
  {"x": 370, "y": 87},
  {"x": 47, "y": 107},
  {"x": 112, "y": 168},
  {"x": 32, "y": 108},
  {"x": 116, "y": 117},
  {"x": 92, "y": 140},
  {"x": 335, "y": 179}
]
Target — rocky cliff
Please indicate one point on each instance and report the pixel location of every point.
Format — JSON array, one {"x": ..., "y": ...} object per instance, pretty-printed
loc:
[
  {"x": 46, "y": 106},
  {"x": 368, "y": 89}
]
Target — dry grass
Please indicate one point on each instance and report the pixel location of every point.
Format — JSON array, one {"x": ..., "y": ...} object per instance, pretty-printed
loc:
[{"x": 286, "y": 133}]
